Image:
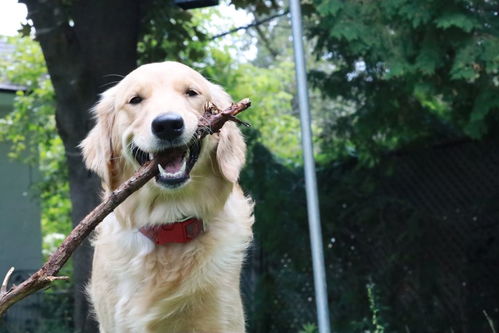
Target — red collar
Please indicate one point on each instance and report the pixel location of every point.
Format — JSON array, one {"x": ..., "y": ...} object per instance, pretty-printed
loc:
[{"x": 177, "y": 232}]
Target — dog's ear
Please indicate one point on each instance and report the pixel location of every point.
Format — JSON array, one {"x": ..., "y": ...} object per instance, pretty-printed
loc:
[
  {"x": 231, "y": 149},
  {"x": 99, "y": 146}
]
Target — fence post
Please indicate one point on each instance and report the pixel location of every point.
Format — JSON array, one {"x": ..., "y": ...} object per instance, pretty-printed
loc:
[{"x": 310, "y": 179}]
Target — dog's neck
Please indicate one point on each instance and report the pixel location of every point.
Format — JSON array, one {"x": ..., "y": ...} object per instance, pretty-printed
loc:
[{"x": 160, "y": 216}]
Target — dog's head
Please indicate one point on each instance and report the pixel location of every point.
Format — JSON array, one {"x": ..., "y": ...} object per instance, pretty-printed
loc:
[{"x": 155, "y": 110}]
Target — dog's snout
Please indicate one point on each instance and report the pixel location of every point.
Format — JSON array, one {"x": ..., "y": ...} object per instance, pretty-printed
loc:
[{"x": 168, "y": 126}]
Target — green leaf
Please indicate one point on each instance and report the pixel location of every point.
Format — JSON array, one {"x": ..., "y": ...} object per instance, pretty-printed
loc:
[
  {"x": 465, "y": 61},
  {"x": 457, "y": 20},
  {"x": 330, "y": 7},
  {"x": 486, "y": 101},
  {"x": 429, "y": 57}
]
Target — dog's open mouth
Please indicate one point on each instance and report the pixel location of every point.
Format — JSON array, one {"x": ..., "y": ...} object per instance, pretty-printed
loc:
[{"x": 175, "y": 164}]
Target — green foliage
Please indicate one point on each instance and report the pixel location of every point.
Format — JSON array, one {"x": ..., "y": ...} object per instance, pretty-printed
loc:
[
  {"x": 309, "y": 328},
  {"x": 275, "y": 47},
  {"x": 415, "y": 70},
  {"x": 31, "y": 120},
  {"x": 30, "y": 129},
  {"x": 270, "y": 90},
  {"x": 376, "y": 307},
  {"x": 168, "y": 32}
]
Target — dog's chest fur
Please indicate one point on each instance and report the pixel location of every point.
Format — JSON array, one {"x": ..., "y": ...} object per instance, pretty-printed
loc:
[{"x": 174, "y": 288}]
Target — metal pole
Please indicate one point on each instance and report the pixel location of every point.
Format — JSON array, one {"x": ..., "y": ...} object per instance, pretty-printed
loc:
[{"x": 310, "y": 180}]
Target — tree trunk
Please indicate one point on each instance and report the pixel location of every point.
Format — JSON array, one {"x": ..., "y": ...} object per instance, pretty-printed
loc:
[{"x": 83, "y": 44}]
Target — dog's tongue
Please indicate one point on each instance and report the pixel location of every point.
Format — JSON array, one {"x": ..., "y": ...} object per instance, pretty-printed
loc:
[{"x": 172, "y": 160}]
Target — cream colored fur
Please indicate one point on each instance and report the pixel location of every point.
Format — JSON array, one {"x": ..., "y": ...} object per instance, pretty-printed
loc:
[{"x": 137, "y": 286}]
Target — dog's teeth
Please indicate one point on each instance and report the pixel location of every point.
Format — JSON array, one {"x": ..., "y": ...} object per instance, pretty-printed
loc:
[
  {"x": 182, "y": 170},
  {"x": 151, "y": 156},
  {"x": 162, "y": 171}
]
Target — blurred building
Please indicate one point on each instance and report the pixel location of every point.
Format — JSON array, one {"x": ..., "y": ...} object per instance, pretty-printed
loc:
[{"x": 20, "y": 232}]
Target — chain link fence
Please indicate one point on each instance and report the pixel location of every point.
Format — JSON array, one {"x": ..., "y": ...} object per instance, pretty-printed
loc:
[{"x": 414, "y": 240}]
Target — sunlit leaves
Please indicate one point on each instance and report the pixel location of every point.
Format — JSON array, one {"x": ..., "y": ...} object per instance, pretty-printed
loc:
[
  {"x": 30, "y": 129},
  {"x": 31, "y": 120},
  {"x": 270, "y": 90}
]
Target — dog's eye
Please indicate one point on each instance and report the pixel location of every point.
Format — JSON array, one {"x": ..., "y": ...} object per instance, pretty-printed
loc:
[
  {"x": 191, "y": 92},
  {"x": 135, "y": 100}
]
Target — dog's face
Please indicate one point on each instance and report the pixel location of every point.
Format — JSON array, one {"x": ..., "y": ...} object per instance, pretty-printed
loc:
[{"x": 155, "y": 110}]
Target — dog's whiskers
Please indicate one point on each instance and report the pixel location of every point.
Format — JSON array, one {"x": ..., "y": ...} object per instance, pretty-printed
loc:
[
  {"x": 117, "y": 75},
  {"x": 111, "y": 83}
]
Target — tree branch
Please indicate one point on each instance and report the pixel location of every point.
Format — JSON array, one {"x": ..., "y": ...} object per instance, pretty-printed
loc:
[
  {"x": 264, "y": 39},
  {"x": 211, "y": 122},
  {"x": 253, "y": 24}
]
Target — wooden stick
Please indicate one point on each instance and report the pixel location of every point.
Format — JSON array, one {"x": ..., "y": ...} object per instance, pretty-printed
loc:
[{"x": 211, "y": 122}]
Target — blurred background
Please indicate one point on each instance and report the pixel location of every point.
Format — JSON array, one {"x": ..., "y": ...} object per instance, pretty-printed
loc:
[{"x": 404, "y": 98}]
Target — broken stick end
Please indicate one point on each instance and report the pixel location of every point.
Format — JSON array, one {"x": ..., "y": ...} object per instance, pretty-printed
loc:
[{"x": 3, "y": 288}]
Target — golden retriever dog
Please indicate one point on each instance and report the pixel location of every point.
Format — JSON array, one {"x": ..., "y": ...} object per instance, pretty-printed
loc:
[{"x": 169, "y": 258}]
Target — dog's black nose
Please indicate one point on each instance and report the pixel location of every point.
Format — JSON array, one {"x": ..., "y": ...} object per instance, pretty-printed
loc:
[{"x": 168, "y": 126}]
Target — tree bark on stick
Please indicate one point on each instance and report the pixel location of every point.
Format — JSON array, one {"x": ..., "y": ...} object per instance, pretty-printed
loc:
[{"x": 211, "y": 122}]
